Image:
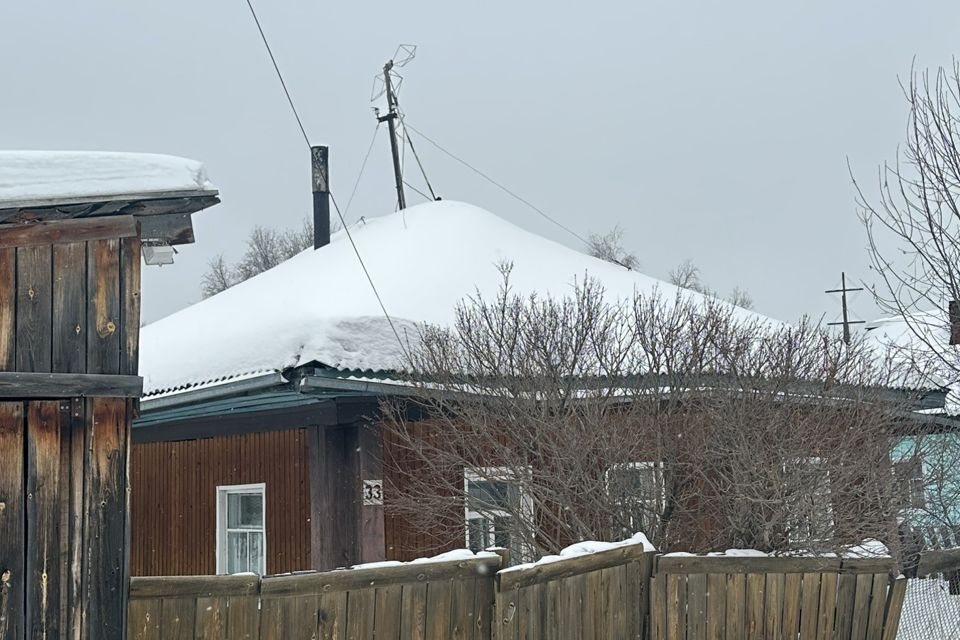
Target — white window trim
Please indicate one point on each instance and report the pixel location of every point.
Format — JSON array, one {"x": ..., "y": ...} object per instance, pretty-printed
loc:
[
  {"x": 222, "y": 492},
  {"x": 496, "y": 473}
]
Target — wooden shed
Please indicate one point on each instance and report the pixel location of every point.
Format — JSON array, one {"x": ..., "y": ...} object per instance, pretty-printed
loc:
[{"x": 72, "y": 228}]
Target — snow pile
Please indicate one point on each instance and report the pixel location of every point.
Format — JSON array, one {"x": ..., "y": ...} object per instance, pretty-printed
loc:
[
  {"x": 457, "y": 555},
  {"x": 586, "y": 548},
  {"x": 868, "y": 549},
  {"x": 319, "y": 307},
  {"x": 929, "y": 611},
  {"x": 27, "y": 176}
]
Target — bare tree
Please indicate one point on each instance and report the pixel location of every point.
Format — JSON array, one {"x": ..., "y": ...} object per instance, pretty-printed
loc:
[
  {"x": 913, "y": 222},
  {"x": 741, "y": 298},
  {"x": 266, "y": 248},
  {"x": 218, "y": 277},
  {"x": 609, "y": 247},
  {"x": 549, "y": 421},
  {"x": 687, "y": 276}
]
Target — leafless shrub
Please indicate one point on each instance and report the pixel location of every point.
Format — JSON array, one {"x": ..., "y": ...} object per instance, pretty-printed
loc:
[{"x": 556, "y": 420}]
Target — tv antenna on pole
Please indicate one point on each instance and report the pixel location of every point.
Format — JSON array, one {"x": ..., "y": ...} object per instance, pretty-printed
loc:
[
  {"x": 389, "y": 83},
  {"x": 846, "y": 322}
]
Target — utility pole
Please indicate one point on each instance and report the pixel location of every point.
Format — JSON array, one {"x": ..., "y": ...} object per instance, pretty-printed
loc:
[
  {"x": 391, "y": 119},
  {"x": 843, "y": 298}
]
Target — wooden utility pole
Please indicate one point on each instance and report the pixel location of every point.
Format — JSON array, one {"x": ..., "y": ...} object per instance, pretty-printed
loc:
[
  {"x": 390, "y": 118},
  {"x": 843, "y": 298}
]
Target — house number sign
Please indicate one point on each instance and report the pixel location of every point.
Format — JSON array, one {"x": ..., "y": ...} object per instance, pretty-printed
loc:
[{"x": 372, "y": 493}]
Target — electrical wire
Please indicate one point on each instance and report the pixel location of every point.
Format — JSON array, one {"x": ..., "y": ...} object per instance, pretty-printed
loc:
[
  {"x": 263, "y": 36},
  {"x": 363, "y": 166},
  {"x": 376, "y": 293},
  {"x": 425, "y": 196},
  {"x": 306, "y": 138},
  {"x": 499, "y": 186},
  {"x": 433, "y": 195}
]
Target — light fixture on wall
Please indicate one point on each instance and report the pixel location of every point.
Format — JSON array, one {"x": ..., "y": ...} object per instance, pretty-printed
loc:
[{"x": 158, "y": 254}]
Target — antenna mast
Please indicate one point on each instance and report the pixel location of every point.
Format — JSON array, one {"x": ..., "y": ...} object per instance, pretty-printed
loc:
[{"x": 393, "y": 111}]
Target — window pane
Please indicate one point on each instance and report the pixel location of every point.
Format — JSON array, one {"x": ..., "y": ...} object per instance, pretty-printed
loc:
[
  {"x": 493, "y": 495},
  {"x": 244, "y": 510},
  {"x": 251, "y": 510},
  {"x": 257, "y": 559},
  {"x": 476, "y": 531},
  {"x": 237, "y": 553}
]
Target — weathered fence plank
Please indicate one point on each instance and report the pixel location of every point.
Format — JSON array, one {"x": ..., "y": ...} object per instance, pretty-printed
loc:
[
  {"x": 8, "y": 305},
  {"x": 716, "y": 606},
  {"x": 773, "y": 605},
  {"x": 809, "y": 603},
  {"x": 12, "y": 561},
  {"x": 34, "y": 296},
  {"x": 43, "y": 519},
  {"x": 895, "y": 597}
]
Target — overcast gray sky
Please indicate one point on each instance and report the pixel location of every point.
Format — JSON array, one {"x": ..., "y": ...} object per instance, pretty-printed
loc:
[{"x": 716, "y": 131}]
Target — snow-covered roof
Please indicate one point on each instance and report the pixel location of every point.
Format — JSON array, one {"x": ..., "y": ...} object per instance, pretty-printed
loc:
[
  {"x": 42, "y": 178},
  {"x": 319, "y": 307},
  {"x": 919, "y": 344}
]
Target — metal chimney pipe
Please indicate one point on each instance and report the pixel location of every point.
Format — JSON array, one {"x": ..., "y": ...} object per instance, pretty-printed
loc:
[{"x": 321, "y": 196}]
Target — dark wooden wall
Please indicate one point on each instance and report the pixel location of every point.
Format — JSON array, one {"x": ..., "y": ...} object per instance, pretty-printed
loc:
[
  {"x": 67, "y": 305},
  {"x": 69, "y": 327},
  {"x": 174, "y": 487}
]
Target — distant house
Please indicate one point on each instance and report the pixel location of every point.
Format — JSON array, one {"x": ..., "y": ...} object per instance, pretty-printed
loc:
[
  {"x": 927, "y": 460},
  {"x": 255, "y": 449}
]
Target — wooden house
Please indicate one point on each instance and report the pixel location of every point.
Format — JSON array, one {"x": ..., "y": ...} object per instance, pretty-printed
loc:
[{"x": 258, "y": 447}]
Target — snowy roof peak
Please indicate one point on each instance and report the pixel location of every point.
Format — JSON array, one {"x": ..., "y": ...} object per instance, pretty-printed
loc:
[{"x": 318, "y": 306}]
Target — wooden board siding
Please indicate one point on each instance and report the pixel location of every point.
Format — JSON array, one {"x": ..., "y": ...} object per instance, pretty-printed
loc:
[
  {"x": 63, "y": 528},
  {"x": 173, "y": 499},
  {"x": 69, "y": 303},
  {"x": 404, "y": 540}
]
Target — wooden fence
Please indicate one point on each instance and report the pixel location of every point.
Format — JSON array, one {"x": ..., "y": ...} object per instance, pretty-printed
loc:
[
  {"x": 451, "y": 599},
  {"x": 620, "y": 593},
  {"x": 600, "y": 596},
  {"x": 746, "y": 598}
]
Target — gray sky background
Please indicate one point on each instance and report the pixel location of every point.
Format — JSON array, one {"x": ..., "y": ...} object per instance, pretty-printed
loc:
[{"x": 707, "y": 130}]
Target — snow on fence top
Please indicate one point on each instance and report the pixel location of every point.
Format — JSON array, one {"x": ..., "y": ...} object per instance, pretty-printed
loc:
[
  {"x": 48, "y": 177},
  {"x": 318, "y": 306}
]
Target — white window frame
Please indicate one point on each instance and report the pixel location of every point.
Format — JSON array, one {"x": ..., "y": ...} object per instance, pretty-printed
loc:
[
  {"x": 657, "y": 467},
  {"x": 222, "y": 492},
  {"x": 500, "y": 474}
]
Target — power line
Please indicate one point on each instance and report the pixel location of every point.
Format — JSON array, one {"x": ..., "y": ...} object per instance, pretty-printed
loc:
[
  {"x": 369, "y": 278},
  {"x": 433, "y": 195},
  {"x": 425, "y": 196},
  {"x": 363, "y": 166},
  {"x": 263, "y": 36},
  {"x": 499, "y": 186},
  {"x": 343, "y": 222}
]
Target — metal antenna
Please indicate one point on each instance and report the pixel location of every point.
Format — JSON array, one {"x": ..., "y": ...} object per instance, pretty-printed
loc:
[
  {"x": 843, "y": 290},
  {"x": 389, "y": 83}
]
